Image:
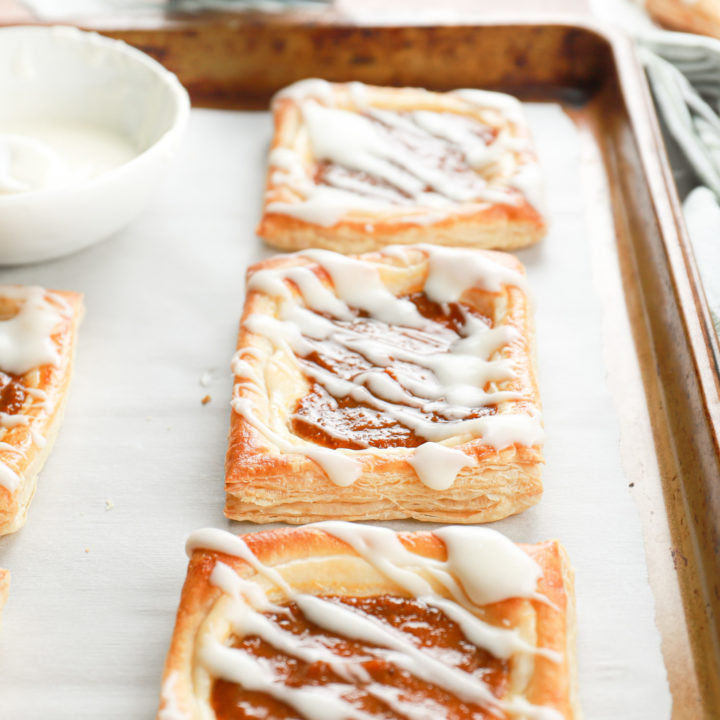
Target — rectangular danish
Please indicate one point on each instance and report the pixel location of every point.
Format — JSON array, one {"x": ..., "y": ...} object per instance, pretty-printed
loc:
[
  {"x": 38, "y": 331},
  {"x": 337, "y": 621},
  {"x": 387, "y": 385},
  {"x": 353, "y": 168}
]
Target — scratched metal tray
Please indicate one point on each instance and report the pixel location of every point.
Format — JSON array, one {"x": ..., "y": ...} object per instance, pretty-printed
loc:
[{"x": 669, "y": 406}]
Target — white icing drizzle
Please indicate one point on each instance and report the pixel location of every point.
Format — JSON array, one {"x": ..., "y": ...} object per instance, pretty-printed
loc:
[
  {"x": 358, "y": 285},
  {"x": 170, "y": 710},
  {"x": 313, "y": 703},
  {"x": 340, "y": 469},
  {"x": 454, "y": 271},
  {"x": 26, "y": 338},
  {"x": 437, "y": 466},
  {"x": 528, "y": 180},
  {"x": 26, "y": 343},
  {"x": 508, "y": 105},
  {"x": 475, "y": 558},
  {"x": 225, "y": 578},
  {"x": 506, "y": 570},
  {"x": 308, "y": 88},
  {"x": 383, "y": 160},
  {"x": 359, "y": 95},
  {"x": 392, "y": 697},
  {"x": 404, "y": 379},
  {"x": 455, "y": 130},
  {"x": 8, "y": 421},
  {"x": 8, "y": 477},
  {"x": 37, "y": 393}
]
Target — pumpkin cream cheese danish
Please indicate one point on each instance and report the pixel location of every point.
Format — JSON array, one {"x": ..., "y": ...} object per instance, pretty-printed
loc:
[
  {"x": 393, "y": 384},
  {"x": 38, "y": 331},
  {"x": 337, "y": 621},
  {"x": 353, "y": 168}
]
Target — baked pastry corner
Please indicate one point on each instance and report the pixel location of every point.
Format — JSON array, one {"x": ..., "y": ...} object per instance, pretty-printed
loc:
[
  {"x": 38, "y": 330},
  {"x": 358, "y": 621},
  {"x": 353, "y": 168}
]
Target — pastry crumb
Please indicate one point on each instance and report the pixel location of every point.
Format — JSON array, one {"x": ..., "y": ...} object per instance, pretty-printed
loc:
[
  {"x": 109, "y": 505},
  {"x": 207, "y": 377},
  {"x": 206, "y": 400}
]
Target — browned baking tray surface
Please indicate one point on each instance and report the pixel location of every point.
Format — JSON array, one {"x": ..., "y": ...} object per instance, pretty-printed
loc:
[{"x": 670, "y": 399}]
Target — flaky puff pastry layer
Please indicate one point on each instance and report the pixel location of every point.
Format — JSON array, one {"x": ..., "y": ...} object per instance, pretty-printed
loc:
[
  {"x": 506, "y": 214},
  {"x": 25, "y": 446},
  {"x": 278, "y": 566},
  {"x": 265, "y": 482}
]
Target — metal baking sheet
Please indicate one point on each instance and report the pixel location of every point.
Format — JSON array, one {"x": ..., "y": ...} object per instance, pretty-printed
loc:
[
  {"x": 138, "y": 465},
  {"x": 139, "y": 462}
]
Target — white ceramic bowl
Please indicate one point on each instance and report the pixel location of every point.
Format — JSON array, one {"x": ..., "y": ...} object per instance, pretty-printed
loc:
[{"x": 72, "y": 78}]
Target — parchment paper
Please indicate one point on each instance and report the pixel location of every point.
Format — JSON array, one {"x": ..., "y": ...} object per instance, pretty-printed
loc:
[{"x": 138, "y": 464}]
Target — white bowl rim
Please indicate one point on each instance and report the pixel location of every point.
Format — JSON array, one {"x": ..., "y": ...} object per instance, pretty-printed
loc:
[{"x": 180, "y": 97}]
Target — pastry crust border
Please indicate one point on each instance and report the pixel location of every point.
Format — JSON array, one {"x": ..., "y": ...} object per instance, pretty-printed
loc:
[
  {"x": 264, "y": 484},
  {"x": 484, "y": 224},
  {"x": 55, "y": 381},
  {"x": 552, "y": 684},
  {"x": 702, "y": 16}
]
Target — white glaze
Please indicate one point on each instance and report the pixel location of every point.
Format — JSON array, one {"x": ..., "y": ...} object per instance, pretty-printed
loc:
[
  {"x": 308, "y": 88},
  {"x": 225, "y": 578},
  {"x": 9, "y": 479},
  {"x": 65, "y": 79},
  {"x": 528, "y": 180},
  {"x": 10, "y": 421},
  {"x": 26, "y": 165},
  {"x": 313, "y": 703},
  {"x": 508, "y": 105},
  {"x": 42, "y": 155},
  {"x": 25, "y": 338},
  {"x": 402, "y": 151},
  {"x": 449, "y": 381},
  {"x": 382, "y": 549},
  {"x": 437, "y": 466},
  {"x": 170, "y": 709},
  {"x": 26, "y": 343},
  {"x": 358, "y": 285},
  {"x": 359, "y": 95},
  {"x": 340, "y": 469},
  {"x": 454, "y": 271},
  {"x": 505, "y": 571},
  {"x": 457, "y": 131}
]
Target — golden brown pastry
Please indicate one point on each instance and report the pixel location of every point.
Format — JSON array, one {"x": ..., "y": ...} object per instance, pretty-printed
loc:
[
  {"x": 393, "y": 384},
  {"x": 339, "y": 621},
  {"x": 353, "y": 168},
  {"x": 38, "y": 330},
  {"x": 697, "y": 16}
]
